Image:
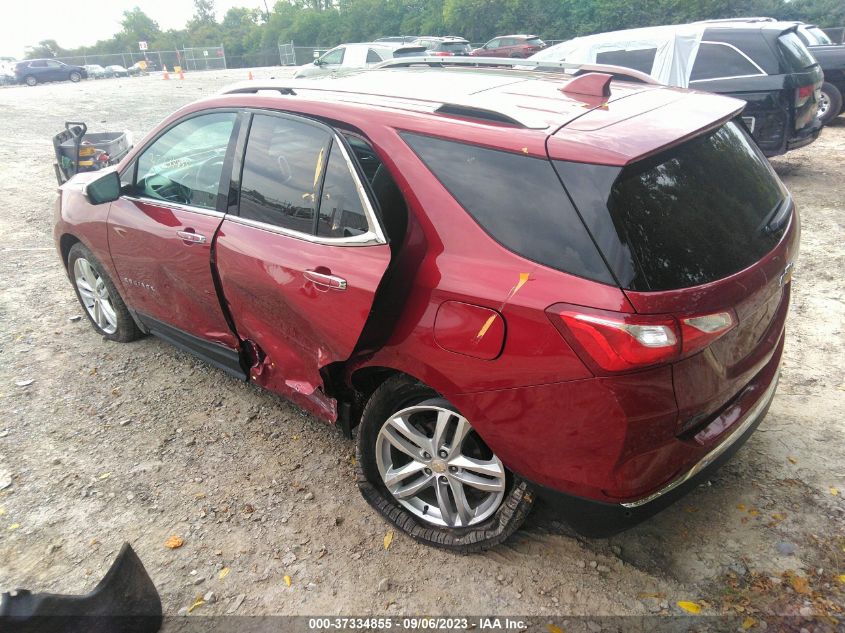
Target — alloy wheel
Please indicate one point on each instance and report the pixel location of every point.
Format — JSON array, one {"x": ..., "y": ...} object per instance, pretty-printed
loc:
[
  {"x": 824, "y": 105},
  {"x": 95, "y": 295},
  {"x": 436, "y": 466}
]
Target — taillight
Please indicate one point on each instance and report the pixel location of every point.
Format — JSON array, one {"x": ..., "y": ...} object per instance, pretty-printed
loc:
[
  {"x": 699, "y": 331},
  {"x": 802, "y": 94},
  {"x": 442, "y": 54},
  {"x": 613, "y": 342}
]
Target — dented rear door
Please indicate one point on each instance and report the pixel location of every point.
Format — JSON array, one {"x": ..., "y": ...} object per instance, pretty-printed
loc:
[{"x": 301, "y": 259}]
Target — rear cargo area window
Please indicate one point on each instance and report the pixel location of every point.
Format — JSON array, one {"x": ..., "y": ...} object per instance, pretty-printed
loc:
[
  {"x": 695, "y": 214},
  {"x": 518, "y": 200}
]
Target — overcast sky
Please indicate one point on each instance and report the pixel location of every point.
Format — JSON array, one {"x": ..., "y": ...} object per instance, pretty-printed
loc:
[{"x": 75, "y": 23}]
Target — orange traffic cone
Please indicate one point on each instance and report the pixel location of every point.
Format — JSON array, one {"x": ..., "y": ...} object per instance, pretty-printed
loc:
[
  {"x": 250, "y": 75},
  {"x": 166, "y": 74},
  {"x": 181, "y": 74}
]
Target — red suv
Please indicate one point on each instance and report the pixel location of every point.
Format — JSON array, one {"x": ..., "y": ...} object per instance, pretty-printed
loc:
[
  {"x": 511, "y": 46},
  {"x": 511, "y": 282}
]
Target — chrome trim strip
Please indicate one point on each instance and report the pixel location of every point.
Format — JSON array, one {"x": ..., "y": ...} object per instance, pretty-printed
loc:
[
  {"x": 176, "y": 206},
  {"x": 752, "y": 416},
  {"x": 365, "y": 239},
  {"x": 372, "y": 219}
]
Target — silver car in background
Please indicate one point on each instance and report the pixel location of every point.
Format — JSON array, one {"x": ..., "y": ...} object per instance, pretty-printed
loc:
[{"x": 358, "y": 55}]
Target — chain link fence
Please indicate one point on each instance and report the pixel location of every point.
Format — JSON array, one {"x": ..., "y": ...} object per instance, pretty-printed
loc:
[
  {"x": 292, "y": 55},
  {"x": 205, "y": 58}
]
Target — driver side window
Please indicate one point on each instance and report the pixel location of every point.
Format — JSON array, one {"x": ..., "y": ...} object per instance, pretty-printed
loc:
[
  {"x": 185, "y": 164},
  {"x": 333, "y": 57}
]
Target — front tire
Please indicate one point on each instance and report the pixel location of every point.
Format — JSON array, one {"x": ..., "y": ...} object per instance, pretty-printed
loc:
[
  {"x": 831, "y": 103},
  {"x": 424, "y": 468},
  {"x": 30, "y": 80},
  {"x": 75, "y": 77},
  {"x": 99, "y": 298}
]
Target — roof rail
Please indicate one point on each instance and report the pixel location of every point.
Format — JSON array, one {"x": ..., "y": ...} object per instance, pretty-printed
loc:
[
  {"x": 619, "y": 72},
  {"x": 254, "y": 88}
]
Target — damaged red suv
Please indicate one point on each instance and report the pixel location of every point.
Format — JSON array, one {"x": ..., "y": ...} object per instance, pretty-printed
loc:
[{"x": 513, "y": 283}]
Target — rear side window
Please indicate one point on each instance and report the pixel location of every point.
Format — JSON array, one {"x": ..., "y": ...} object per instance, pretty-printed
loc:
[
  {"x": 518, "y": 200},
  {"x": 716, "y": 60},
  {"x": 794, "y": 52},
  {"x": 642, "y": 60},
  {"x": 373, "y": 57},
  {"x": 282, "y": 170},
  {"x": 692, "y": 215},
  {"x": 341, "y": 211}
]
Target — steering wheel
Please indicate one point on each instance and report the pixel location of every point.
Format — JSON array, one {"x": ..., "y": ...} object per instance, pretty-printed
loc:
[
  {"x": 162, "y": 187},
  {"x": 207, "y": 174}
]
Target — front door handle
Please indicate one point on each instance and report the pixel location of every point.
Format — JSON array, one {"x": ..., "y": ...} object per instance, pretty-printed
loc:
[
  {"x": 191, "y": 237},
  {"x": 327, "y": 281}
]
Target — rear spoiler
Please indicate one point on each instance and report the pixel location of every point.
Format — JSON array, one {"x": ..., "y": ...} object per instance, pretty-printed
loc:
[
  {"x": 407, "y": 51},
  {"x": 641, "y": 125}
]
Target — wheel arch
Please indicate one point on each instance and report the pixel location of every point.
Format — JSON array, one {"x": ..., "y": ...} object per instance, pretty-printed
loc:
[{"x": 66, "y": 242}]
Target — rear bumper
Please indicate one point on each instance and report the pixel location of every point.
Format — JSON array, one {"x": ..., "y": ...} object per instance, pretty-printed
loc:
[
  {"x": 804, "y": 138},
  {"x": 739, "y": 433},
  {"x": 601, "y": 519},
  {"x": 611, "y": 452}
]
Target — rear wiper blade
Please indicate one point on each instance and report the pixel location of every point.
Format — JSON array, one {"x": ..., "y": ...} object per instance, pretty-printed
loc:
[{"x": 775, "y": 218}]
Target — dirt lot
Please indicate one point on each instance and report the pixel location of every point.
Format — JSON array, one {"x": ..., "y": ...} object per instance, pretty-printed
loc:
[{"x": 102, "y": 443}]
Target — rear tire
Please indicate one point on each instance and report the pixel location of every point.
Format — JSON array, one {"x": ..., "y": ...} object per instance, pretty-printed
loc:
[
  {"x": 30, "y": 80},
  {"x": 499, "y": 513},
  {"x": 74, "y": 76},
  {"x": 831, "y": 103},
  {"x": 99, "y": 298}
]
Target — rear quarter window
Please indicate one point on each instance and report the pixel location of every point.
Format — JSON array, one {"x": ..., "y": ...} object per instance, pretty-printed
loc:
[
  {"x": 716, "y": 60},
  {"x": 518, "y": 200}
]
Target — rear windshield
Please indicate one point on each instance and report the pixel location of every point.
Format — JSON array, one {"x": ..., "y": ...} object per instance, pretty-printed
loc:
[
  {"x": 692, "y": 215},
  {"x": 535, "y": 41},
  {"x": 455, "y": 47},
  {"x": 797, "y": 56}
]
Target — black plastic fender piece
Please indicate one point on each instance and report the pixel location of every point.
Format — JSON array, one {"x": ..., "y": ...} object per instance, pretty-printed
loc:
[{"x": 124, "y": 601}]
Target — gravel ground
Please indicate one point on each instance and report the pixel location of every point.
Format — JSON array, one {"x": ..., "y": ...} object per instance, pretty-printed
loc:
[{"x": 102, "y": 443}]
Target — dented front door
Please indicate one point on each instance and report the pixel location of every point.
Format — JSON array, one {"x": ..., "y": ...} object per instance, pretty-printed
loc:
[{"x": 300, "y": 263}]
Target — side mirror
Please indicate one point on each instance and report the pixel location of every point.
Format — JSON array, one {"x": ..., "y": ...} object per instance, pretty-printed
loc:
[{"x": 104, "y": 189}]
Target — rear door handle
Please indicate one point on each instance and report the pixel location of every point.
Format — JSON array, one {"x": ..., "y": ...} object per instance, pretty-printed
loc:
[
  {"x": 328, "y": 281},
  {"x": 191, "y": 236}
]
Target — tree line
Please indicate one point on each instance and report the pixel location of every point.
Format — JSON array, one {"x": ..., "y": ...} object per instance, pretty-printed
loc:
[{"x": 251, "y": 36}]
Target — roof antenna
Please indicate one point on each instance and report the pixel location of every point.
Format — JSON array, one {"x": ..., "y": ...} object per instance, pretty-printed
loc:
[{"x": 589, "y": 85}]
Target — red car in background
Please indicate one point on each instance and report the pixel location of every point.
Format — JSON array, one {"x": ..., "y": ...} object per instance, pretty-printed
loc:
[
  {"x": 511, "y": 282},
  {"x": 521, "y": 46}
]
